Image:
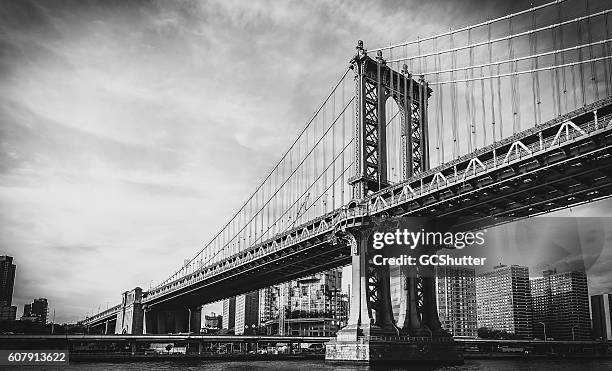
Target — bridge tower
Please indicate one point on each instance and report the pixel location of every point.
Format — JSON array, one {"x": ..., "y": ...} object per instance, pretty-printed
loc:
[
  {"x": 129, "y": 315},
  {"x": 372, "y": 333},
  {"x": 375, "y": 82}
]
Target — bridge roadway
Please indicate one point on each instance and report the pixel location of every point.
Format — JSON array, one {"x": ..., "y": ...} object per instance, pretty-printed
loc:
[{"x": 561, "y": 163}]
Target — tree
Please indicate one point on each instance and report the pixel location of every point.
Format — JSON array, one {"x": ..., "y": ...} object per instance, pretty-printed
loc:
[{"x": 484, "y": 333}]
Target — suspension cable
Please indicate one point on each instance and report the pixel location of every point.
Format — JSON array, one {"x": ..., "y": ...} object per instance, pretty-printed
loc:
[
  {"x": 486, "y": 23},
  {"x": 507, "y": 37},
  {"x": 526, "y": 71}
]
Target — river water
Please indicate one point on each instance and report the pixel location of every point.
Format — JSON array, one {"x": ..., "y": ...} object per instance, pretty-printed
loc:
[{"x": 470, "y": 365}]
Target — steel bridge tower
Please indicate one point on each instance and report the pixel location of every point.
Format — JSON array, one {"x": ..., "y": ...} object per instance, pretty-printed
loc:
[{"x": 372, "y": 331}]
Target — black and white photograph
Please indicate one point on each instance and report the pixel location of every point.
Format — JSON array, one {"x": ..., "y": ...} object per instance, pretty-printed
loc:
[{"x": 306, "y": 185}]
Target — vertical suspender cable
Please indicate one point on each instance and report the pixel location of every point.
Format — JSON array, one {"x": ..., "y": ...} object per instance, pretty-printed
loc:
[
  {"x": 438, "y": 98},
  {"x": 408, "y": 119},
  {"x": 482, "y": 105},
  {"x": 492, "y": 94},
  {"x": 472, "y": 106},
  {"x": 291, "y": 214},
  {"x": 554, "y": 73},
  {"x": 468, "y": 112},
  {"x": 424, "y": 120},
  {"x": 513, "y": 79},
  {"x": 379, "y": 93},
  {"x": 453, "y": 98},
  {"x": 562, "y": 44},
  {"x": 534, "y": 61},
  {"x": 573, "y": 72},
  {"x": 606, "y": 50},
  {"x": 268, "y": 207},
  {"x": 468, "y": 109},
  {"x": 553, "y": 77},
  {"x": 499, "y": 104},
  {"x": 343, "y": 184},
  {"x": 593, "y": 64},
  {"x": 314, "y": 170},
  {"x": 333, "y": 151},
  {"x": 324, "y": 197},
  {"x": 580, "y": 67},
  {"x": 390, "y": 138}
]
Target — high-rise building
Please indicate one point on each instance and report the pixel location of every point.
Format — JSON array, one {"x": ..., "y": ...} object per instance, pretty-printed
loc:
[
  {"x": 397, "y": 287},
  {"x": 37, "y": 311},
  {"x": 601, "y": 305},
  {"x": 310, "y": 306},
  {"x": 268, "y": 303},
  {"x": 456, "y": 296},
  {"x": 561, "y": 305},
  {"x": 247, "y": 313},
  {"x": 274, "y": 308},
  {"x": 317, "y": 293},
  {"x": 7, "y": 281},
  {"x": 8, "y": 313},
  {"x": 503, "y": 300},
  {"x": 229, "y": 313},
  {"x": 212, "y": 323}
]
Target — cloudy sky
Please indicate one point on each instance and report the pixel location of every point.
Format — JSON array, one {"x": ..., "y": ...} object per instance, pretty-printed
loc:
[{"x": 130, "y": 130}]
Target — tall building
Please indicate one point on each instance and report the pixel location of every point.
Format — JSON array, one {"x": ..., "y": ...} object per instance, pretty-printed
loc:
[
  {"x": 8, "y": 313},
  {"x": 397, "y": 287},
  {"x": 504, "y": 301},
  {"x": 212, "y": 323},
  {"x": 310, "y": 306},
  {"x": 7, "y": 281},
  {"x": 268, "y": 303},
  {"x": 561, "y": 304},
  {"x": 37, "y": 311},
  {"x": 318, "y": 293},
  {"x": 247, "y": 313},
  {"x": 229, "y": 313},
  {"x": 601, "y": 305},
  {"x": 274, "y": 308},
  {"x": 456, "y": 296}
]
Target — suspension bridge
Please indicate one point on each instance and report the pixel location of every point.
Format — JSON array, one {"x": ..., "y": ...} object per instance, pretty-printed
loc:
[{"x": 508, "y": 118}]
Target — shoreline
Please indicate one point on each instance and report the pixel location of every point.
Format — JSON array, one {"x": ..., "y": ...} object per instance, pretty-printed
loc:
[{"x": 123, "y": 357}]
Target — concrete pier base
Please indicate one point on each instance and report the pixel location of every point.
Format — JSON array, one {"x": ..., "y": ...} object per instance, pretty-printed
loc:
[{"x": 368, "y": 350}]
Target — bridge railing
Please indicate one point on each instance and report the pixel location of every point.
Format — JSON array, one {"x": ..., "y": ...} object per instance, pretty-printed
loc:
[
  {"x": 296, "y": 235},
  {"x": 527, "y": 144},
  {"x": 108, "y": 312},
  {"x": 420, "y": 339}
]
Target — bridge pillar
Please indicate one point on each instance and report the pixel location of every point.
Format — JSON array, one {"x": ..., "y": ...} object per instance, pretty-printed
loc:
[
  {"x": 165, "y": 321},
  {"x": 160, "y": 323},
  {"x": 370, "y": 309},
  {"x": 195, "y": 319},
  {"x": 130, "y": 314},
  {"x": 419, "y": 309},
  {"x": 371, "y": 334}
]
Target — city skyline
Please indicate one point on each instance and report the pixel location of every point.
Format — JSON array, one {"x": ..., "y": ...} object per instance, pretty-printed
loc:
[{"x": 99, "y": 190}]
